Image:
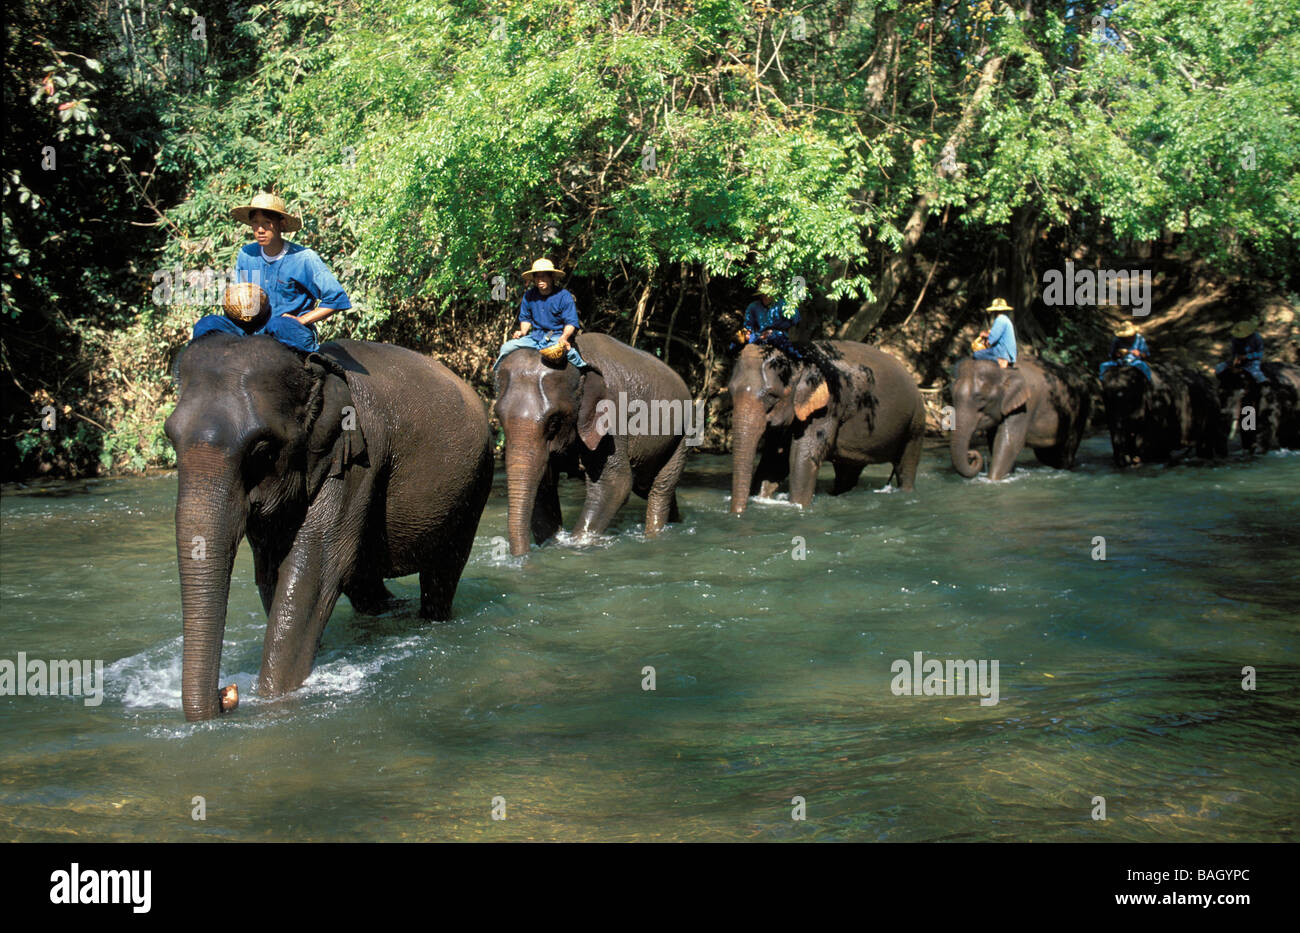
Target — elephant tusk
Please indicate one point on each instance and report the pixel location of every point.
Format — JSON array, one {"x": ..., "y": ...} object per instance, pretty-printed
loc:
[{"x": 229, "y": 698}]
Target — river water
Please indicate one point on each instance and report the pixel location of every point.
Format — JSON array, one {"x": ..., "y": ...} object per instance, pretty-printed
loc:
[{"x": 771, "y": 639}]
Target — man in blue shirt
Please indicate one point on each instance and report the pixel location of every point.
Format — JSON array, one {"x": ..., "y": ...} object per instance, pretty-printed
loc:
[
  {"x": 1128, "y": 348},
  {"x": 768, "y": 320},
  {"x": 301, "y": 289},
  {"x": 548, "y": 316},
  {"x": 999, "y": 341},
  {"x": 1246, "y": 352}
]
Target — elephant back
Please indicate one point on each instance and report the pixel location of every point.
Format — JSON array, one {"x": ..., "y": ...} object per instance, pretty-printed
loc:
[{"x": 627, "y": 369}]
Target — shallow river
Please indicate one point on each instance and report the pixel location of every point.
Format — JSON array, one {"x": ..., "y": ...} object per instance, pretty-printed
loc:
[{"x": 771, "y": 639}]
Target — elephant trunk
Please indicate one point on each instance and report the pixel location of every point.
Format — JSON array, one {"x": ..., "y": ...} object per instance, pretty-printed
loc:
[
  {"x": 965, "y": 460},
  {"x": 211, "y": 513},
  {"x": 747, "y": 426},
  {"x": 525, "y": 464}
]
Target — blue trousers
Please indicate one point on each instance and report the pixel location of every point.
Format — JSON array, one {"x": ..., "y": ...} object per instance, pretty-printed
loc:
[
  {"x": 988, "y": 353},
  {"x": 1250, "y": 366},
  {"x": 1140, "y": 364},
  {"x": 287, "y": 330},
  {"x": 539, "y": 342}
]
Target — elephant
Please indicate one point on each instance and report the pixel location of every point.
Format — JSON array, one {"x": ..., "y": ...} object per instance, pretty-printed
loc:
[
  {"x": 1268, "y": 413},
  {"x": 343, "y": 467},
  {"x": 559, "y": 419},
  {"x": 846, "y": 402},
  {"x": 1149, "y": 420},
  {"x": 1033, "y": 402}
]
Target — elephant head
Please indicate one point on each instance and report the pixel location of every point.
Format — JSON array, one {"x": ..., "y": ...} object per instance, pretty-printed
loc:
[
  {"x": 544, "y": 410},
  {"x": 983, "y": 395},
  {"x": 257, "y": 428},
  {"x": 770, "y": 390},
  {"x": 1126, "y": 391}
]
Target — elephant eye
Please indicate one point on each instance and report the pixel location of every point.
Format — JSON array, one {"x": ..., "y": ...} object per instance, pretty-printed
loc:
[
  {"x": 553, "y": 425},
  {"x": 262, "y": 454}
]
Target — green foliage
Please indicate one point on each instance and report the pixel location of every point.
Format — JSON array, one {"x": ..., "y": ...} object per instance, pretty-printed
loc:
[{"x": 432, "y": 145}]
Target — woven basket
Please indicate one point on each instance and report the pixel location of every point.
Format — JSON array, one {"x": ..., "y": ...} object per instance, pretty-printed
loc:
[
  {"x": 246, "y": 303},
  {"x": 554, "y": 353}
]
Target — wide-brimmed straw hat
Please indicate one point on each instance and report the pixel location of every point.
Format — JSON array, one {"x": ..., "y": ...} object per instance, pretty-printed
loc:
[
  {"x": 263, "y": 201},
  {"x": 246, "y": 304},
  {"x": 543, "y": 265},
  {"x": 999, "y": 305},
  {"x": 1127, "y": 329},
  {"x": 1243, "y": 329}
]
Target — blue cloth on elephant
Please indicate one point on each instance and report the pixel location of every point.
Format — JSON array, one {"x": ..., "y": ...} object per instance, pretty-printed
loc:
[
  {"x": 287, "y": 330},
  {"x": 549, "y": 316},
  {"x": 1001, "y": 341},
  {"x": 1251, "y": 350},
  {"x": 769, "y": 325},
  {"x": 1136, "y": 342}
]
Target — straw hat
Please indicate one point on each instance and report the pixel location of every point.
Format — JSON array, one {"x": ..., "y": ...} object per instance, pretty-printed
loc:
[
  {"x": 263, "y": 201},
  {"x": 1127, "y": 329},
  {"x": 1243, "y": 329},
  {"x": 246, "y": 304},
  {"x": 999, "y": 306},
  {"x": 543, "y": 265}
]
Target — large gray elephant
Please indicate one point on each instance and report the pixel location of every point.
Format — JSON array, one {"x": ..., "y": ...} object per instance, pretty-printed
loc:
[
  {"x": 344, "y": 467},
  {"x": 1033, "y": 402},
  {"x": 558, "y": 419},
  {"x": 1268, "y": 414},
  {"x": 846, "y": 402},
  {"x": 1151, "y": 419}
]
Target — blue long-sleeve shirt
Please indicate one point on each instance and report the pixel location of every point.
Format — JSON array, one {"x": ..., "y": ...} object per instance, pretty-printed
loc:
[
  {"x": 551, "y": 313},
  {"x": 1250, "y": 348},
  {"x": 759, "y": 317},
  {"x": 1138, "y": 343},
  {"x": 295, "y": 282},
  {"x": 1002, "y": 338}
]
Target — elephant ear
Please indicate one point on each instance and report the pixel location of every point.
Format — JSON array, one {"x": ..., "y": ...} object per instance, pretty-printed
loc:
[
  {"x": 334, "y": 439},
  {"x": 1015, "y": 393},
  {"x": 591, "y": 426},
  {"x": 810, "y": 394}
]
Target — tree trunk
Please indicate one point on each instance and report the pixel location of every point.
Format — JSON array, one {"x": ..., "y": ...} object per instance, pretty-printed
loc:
[{"x": 870, "y": 312}]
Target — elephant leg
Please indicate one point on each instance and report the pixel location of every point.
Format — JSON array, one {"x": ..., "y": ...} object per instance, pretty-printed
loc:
[
  {"x": 806, "y": 455},
  {"x": 846, "y": 477},
  {"x": 773, "y": 467},
  {"x": 308, "y": 586},
  {"x": 662, "y": 501},
  {"x": 905, "y": 466},
  {"x": 446, "y": 560},
  {"x": 438, "y": 581},
  {"x": 369, "y": 596},
  {"x": 1008, "y": 441},
  {"x": 547, "y": 519},
  {"x": 605, "y": 496}
]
